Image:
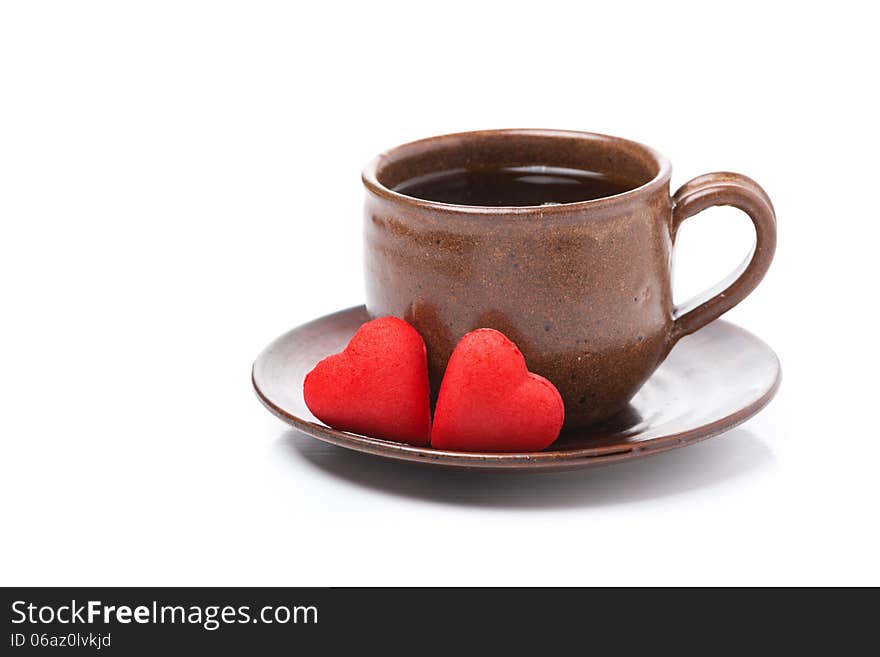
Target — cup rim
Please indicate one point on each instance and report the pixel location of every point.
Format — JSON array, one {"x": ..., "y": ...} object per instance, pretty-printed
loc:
[{"x": 370, "y": 179}]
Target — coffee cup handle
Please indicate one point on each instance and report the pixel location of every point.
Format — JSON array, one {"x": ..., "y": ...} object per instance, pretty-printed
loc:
[{"x": 740, "y": 192}]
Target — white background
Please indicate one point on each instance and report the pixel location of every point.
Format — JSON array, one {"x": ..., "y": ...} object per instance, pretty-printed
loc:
[{"x": 179, "y": 183}]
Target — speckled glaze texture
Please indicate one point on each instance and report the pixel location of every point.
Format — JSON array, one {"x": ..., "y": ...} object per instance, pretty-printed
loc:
[
  {"x": 711, "y": 381},
  {"x": 582, "y": 288}
]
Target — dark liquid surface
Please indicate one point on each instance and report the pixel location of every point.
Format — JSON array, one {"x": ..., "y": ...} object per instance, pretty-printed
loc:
[{"x": 519, "y": 186}]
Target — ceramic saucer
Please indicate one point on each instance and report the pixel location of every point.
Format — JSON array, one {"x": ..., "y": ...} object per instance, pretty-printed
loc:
[{"x": 712, "y": 381}]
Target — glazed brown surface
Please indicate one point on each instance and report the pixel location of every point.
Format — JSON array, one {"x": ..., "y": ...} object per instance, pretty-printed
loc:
[
  {"x": 710, "y": 382},
  {"x": 582, "y": 288}
]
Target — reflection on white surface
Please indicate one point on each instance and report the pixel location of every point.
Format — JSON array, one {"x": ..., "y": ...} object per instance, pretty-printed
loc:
[{"x": 703, "y": 465}]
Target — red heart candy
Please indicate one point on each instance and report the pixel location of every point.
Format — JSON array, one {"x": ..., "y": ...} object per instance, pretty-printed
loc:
[
  {"x": 490, "y": 402},
  {"x": 377, "y": 386}
]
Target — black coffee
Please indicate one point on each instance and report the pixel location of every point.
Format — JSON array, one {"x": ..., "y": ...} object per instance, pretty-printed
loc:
[{"x": 535, "y": 185}]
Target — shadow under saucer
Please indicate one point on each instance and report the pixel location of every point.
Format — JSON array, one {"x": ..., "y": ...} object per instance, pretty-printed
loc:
[{"x": 664, "y": 474}]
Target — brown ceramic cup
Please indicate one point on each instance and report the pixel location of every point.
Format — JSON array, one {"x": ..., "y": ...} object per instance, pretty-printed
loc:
[{"x": 584, "y": 289}]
